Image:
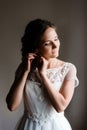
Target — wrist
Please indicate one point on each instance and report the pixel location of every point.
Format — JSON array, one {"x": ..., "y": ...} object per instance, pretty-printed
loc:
[
  {"x": 26, "y": 72},
  {"x": 43, "y": 74}
]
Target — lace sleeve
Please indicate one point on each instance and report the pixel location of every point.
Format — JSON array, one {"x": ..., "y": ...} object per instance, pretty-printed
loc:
[{"x": 72, "y": 74}]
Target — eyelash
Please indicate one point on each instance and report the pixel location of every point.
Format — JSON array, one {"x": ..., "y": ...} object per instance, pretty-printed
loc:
[
  {"x": 45, "y": 44},
  {"x": 48, "y": 43},
  {"x": 56, "y": 39}
]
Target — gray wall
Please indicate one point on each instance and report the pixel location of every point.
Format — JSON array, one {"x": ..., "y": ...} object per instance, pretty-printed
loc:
[{"x": 70, "y": 18}]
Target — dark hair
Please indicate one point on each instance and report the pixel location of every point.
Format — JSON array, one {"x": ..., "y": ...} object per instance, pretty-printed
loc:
[{"x": 32, "y": 35}]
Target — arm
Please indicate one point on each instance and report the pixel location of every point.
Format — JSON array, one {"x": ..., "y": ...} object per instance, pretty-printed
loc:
[
  {"x": 15, "y": 94},
  {"x": 61, "y": 99}
]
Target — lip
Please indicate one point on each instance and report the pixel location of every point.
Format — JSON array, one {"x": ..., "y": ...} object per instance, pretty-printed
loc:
[{"x": 55, "y": 51}]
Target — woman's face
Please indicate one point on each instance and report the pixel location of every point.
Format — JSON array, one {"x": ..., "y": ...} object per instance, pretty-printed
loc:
[{"x": 49, "y": 44}]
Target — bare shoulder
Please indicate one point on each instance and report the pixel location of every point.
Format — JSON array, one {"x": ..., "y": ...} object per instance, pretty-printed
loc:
[{"x": 60, "y": 62}]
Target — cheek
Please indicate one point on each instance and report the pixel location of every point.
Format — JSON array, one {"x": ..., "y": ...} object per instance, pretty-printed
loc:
[
  {"x": 58, "y": 46},
  {"x": 45, "y": 51}
]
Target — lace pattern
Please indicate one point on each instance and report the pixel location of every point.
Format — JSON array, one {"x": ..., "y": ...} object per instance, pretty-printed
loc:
[
  {"x": 55, "y": 75},
  {"x": 42, "y": 118}
]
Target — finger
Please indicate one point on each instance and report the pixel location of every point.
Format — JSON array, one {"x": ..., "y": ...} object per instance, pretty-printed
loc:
[
  {"x": 42, "y": 58},
  {"x": 31, "y": 54}
]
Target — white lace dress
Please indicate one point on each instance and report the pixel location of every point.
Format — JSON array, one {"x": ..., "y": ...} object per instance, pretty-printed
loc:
[{"x": 39, "y": 114}]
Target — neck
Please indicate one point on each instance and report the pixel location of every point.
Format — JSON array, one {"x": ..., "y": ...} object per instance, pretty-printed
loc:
[{"x": 52, "y": 62}]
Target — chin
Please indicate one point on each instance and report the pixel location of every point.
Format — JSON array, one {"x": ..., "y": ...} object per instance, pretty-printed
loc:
[
  {"x": 52, "y": 56},
  {"x": 55, "y": 56}
]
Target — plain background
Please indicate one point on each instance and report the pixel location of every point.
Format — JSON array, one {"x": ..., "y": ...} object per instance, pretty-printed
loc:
[{"x": 70, "y": 18}]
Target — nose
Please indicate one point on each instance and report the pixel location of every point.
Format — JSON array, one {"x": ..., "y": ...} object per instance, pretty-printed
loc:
[{"x": 54, "y": 45}]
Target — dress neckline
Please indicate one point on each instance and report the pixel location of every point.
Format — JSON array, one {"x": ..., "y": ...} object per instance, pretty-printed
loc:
[{"x": 49, "y": 69}]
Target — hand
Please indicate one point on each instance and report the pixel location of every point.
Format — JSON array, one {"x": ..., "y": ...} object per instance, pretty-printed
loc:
[
  {"x": 27, "y": 61},
  {"x": 43, "y": 64}
]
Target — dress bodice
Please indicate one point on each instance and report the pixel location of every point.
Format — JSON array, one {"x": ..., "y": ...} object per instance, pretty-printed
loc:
[
  {"x": 39, "y": 114},
  {"x": 36, "y": 100}
]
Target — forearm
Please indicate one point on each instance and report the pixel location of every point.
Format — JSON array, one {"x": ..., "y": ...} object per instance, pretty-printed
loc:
[
  {"x": 57, "y": 99},
  {"x": 15, "y": 94}
]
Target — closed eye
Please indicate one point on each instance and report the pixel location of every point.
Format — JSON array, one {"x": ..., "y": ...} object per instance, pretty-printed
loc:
[
  {"x": 46, "y": 43},
  {"x": 49, "y": 42},
  {"x": 56, "y": 38}
]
